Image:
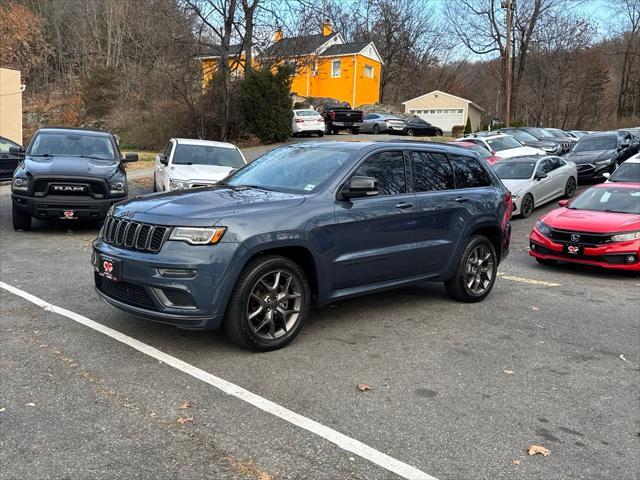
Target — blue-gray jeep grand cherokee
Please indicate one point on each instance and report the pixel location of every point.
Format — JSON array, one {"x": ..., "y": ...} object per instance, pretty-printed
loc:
[{"x": 303, "y": 225}]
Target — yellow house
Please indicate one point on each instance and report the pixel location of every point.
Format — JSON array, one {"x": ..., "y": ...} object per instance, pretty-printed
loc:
[{"x": 324, "y": 65}]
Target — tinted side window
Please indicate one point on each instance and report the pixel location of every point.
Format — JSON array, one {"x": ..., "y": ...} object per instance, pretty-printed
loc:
[
  {"x": 388, "y": 169},
  {"x": 468, "y": 172},
  {"x": 431, "y": 171}
]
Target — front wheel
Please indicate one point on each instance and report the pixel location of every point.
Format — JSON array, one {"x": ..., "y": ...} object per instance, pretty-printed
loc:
[
  {"x": 570, "y": 188},
  {"x": 526, "y": 209},
  {"x": 410, "y": 132},
  {"x": 21, "y": 221},
  {"x": 438, "y": 133},
  {"x": 376, "y": 129},
  {"x": 476, "y": 272},
  {"x": 269, "y": 304},
  {"x": 355, "y": 131}
]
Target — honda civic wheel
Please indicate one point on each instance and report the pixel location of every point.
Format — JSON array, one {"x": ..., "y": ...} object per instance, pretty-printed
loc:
[
  {"x": 526, "y": 209},
  {"x": 570, "y": 188}
]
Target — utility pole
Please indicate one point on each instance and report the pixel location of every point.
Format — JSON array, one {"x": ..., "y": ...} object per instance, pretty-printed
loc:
[{"x": 506, "y": 107}]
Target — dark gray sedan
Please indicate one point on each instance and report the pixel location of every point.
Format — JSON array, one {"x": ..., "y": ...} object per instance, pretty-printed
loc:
[{"x": 382, "y": 123}]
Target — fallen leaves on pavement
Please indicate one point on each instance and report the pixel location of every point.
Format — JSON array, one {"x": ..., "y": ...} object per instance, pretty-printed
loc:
[
  {"x": 508, "y": 372},
  {"x": 363, "y": 387},
  {"x": 535, "y": 449},
  {"x": 184, "y": 405},
  {"x": 31, "y": 404},
  {"x": 515, "y": 461},
  {"x": 183, "y": 420}
]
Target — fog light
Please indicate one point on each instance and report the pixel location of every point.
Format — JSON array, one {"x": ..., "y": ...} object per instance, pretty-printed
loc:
[
  {"x": 631, "y": 259},
  {"x": 177, "y": 272},
  {"x": 533, "y": 246}
]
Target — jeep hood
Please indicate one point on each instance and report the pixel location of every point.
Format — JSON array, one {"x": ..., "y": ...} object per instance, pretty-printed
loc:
[
  {"x": 204, "y": 206},
  {"x": 81, "y": 166}
]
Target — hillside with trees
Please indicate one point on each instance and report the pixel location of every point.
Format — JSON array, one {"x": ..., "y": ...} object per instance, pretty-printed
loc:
[{"x": 131, "y": 67}]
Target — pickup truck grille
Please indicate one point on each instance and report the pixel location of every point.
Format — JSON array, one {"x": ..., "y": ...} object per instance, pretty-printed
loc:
[
  {"x": 134, "y": 235},
  {"x": 44, "y": 187}
]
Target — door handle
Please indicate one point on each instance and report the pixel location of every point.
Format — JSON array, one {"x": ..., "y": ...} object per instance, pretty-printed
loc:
[
  {"x": 403, "y": 205},
  {"x": 461, "y": 199}
]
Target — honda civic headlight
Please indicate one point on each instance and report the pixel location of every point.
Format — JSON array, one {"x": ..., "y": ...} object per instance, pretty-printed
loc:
[
  {"x": 625, "y": 237},
  {"x": 20, "y": 184},
  {"x": 198, "y": 235},
  {"x": 543, "y": 228},
  {"x": 177, "y": 184},
  {"x": 117, "y": 188}
]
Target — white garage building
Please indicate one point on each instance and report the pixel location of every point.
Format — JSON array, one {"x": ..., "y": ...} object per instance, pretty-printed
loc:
[{"x": 444, "y": 110}]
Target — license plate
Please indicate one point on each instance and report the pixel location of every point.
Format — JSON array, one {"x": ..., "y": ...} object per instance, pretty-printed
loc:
[
  {"x": 573, "y": 249},
  {"x": 348, "y": 124},
  {"x": 109, "y": 268},
  {"x": 69, "y": 215}
]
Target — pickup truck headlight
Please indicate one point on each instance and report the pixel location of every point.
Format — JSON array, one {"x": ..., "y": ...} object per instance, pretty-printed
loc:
[
  {"x": 20, "y": 184},
  {"x": 177, "y": 184},
  {"x": 117, "y": 188},
  {"x": 626, "y": 237},
  {"x": 198, "y": 235}
]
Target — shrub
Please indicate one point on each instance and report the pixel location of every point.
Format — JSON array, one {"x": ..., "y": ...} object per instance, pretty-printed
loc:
[
  {"x": 457, "y": 130},
  {"x": 264, "y": 105},
  {"x": 467, "y": 127},
  {"x": 100, "y": 91}
]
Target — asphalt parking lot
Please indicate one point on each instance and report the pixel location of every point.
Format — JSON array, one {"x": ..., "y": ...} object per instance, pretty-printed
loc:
[{"x": 457, "y": 391}]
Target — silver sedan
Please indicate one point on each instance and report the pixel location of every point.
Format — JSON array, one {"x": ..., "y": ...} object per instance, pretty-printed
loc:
[
  {"x": 382, "y": 123},
  {"x": 536, "y": 180}
]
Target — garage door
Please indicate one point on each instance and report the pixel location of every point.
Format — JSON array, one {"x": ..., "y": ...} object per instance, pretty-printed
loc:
[{"x": 443, "y": 118}]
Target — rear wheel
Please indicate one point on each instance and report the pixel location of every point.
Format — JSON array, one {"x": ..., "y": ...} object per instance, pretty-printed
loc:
[
  {"x": 376, "y": 129},
  {"x": 335, "y": 131},
  {"x": 476, "y": 272},
  {"x": 570, "y": 188},
  {"x": 438, "y": 133},
  {"x": 321, "y": 133},
  {"x": 21, "y": 221},
  {"x": 269, "y": 304},
  {"x": 526, "y": 209},
  {"x": 410, "y": 132},
  {"x": 355, "y": 131}
]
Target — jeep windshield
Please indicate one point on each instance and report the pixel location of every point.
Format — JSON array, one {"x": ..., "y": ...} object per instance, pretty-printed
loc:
[
  {"x": 56, "y": 144},
  {"x": 290, "y": 169},
  {"x": 207, "y": 155}
]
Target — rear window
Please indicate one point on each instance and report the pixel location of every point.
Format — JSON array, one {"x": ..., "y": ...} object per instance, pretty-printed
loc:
[
  {"x": 468, "y": 172},
  {"x": 307, "y": 113}
]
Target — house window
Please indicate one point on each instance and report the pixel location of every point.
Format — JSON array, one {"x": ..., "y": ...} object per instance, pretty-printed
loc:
[
  {"x": 335, "y": 68},
  {"x": 368, "y": 71}
]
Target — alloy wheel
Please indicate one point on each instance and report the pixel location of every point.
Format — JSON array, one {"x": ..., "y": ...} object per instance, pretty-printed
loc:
[
  {"x": 570, "y": 189},
  {"x": 527, "y": 206},
  {"x": 478, "y": 272},
  {"x": 273, "y": 306}
]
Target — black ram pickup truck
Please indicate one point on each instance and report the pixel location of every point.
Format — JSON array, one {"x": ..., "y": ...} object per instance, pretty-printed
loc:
[
  {"x": 68, "y": 174},
  {"x": 340, "y": 116}
]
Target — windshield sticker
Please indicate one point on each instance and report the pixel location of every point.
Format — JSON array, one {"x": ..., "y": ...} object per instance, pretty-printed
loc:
[{"x": 309, "y": 187}]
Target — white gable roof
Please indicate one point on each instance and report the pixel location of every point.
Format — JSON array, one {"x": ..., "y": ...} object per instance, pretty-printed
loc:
[{"x": 446, "y": 94}]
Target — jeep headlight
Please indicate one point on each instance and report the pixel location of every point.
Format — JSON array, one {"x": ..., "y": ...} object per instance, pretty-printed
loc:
[
  {"x": 20, "y": 184},
  {"x": 198, "y": 235},
  {"x": 626, "y": 237},
  {"x": 551, "y": 149},
  {"x": 603, "y": 162},
  {"x": 117, "y": 188},
  {"x": 177, "y": 184}
]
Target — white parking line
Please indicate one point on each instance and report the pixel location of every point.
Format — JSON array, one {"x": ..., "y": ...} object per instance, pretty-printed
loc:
[
  {"x": 346, "y": 443},
  {"x": 529, "y": 280}
]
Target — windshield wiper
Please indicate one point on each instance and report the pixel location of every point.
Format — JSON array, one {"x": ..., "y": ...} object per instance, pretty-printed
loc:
[
  {"x": 42, "y": 155},
  {"x": 256, "y": 187}
]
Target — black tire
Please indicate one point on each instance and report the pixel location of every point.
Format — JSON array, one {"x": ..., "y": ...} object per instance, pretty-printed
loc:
[
  {"x": 544, "y": 261},
  {"x": 327, "y": 129},
  {"x": 335, "y": 131},
  {"x": 438, "y": 133},
  {"x": 355, "y": 131},
  {"x": 410, "y": 132},
  {"x": 457, "y": 287},
  {"x": 155, "y": 183},
  {"x": 321, "y": 134},
  {"x": 237, "y": 324},
  {"x": 527, "y": 206},
  {"x": 376, "y": 130},
  {"x": 21, "y": 221},
  {"x": 570, "y": 188}
]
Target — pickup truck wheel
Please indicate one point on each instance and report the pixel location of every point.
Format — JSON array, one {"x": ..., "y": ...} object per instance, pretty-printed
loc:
[
  {"x": 21, "y": 221},
  {"x": 335, "y": 131},
  {"x": 476, "y": 272},
  {"x": 355, "y": 131},
  {"x": 269, "y": 304}
]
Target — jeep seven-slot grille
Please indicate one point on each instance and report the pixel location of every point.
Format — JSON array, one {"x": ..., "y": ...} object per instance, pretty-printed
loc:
[{"x": 134, "y": 235}]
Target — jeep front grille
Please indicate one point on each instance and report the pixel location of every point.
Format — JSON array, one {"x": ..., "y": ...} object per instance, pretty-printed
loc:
[{"x": 134, "y": 235}]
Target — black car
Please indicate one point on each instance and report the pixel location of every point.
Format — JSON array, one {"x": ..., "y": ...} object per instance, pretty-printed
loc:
[
  {"x": 525, "y": 138},
  {"x": 566, "y": 143},
  {"x": 9, "y": 157},
  {"x": 417, "y": 126},
  {"x": 69, "y": 174},
  {"x": 596, "y": 154}
]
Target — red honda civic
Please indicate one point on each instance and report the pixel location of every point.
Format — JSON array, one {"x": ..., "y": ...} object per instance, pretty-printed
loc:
[{"x": 600, "y": 227}]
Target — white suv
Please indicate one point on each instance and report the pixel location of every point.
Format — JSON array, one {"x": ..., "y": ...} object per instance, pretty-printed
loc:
[
  {"x": 187, "y": 163},
  {"x": 502, "y": 146}
]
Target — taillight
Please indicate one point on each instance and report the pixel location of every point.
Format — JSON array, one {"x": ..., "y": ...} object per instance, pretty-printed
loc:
[
  {"x": 509, "y": 203},
  {"x": 299, "y": 120},
  {"x": 333, "y": 115}
]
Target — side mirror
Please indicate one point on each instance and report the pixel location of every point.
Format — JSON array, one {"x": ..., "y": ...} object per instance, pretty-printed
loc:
[
  {"x": 563, "y": 203},
  {"x": 17, "y": 151},
  {"x": 163, "y": 159},
  {"x": 130, "y": 157},
  {"x": 540, "y": 175},
  {"x": 360, "y": 187}
]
